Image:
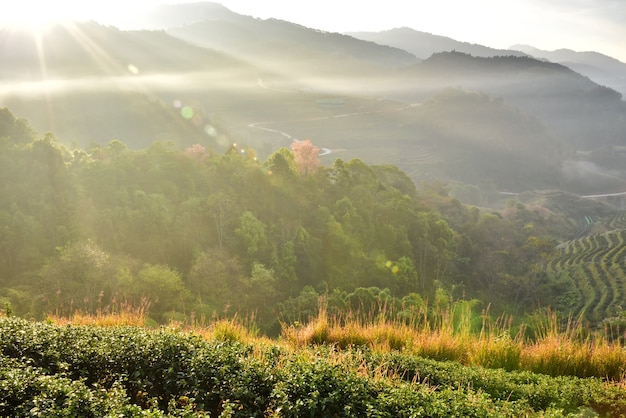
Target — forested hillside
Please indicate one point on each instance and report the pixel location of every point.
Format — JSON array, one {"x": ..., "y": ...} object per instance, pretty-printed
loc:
[{"x": 195, "y": 232}]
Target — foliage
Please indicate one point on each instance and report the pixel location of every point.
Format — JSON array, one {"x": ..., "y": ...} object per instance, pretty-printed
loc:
[
  {"x": 89, "y": 371},
  {"x": 306, "y": 157},
  {"x": 192, "y": 233}
]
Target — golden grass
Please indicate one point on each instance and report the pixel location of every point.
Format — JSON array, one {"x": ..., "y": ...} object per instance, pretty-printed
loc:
[
  {"x": 123, "y": 314},
  {"x": 555, "y": 350},
  {"x": 441, "y": 334}
]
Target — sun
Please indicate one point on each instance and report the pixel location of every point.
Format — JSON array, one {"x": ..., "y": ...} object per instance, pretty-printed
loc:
[{"x": 38, "y": 14}]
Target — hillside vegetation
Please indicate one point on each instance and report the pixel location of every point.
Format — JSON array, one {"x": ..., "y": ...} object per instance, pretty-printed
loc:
[
  {"x": 195, "y": 232},
  {"x": 90, "y": 371}
]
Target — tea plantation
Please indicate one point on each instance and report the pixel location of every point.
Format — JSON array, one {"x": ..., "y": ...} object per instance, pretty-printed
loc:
[{"x": 58, "y": 371}]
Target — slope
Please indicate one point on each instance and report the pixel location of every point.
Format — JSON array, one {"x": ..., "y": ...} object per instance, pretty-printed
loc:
[
  {"x": 289, "y": 48},
  {"x": 90, "y": 83},
  {"x": 584, "y": 113}
]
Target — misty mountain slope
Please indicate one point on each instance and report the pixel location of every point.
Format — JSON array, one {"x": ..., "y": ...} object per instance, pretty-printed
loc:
[
  {"x": 582, "y": 112},
  {"x": 87, "y": 119},
  {"x": 286, "y": 47},
  {"x": 89, "y": 83},
  {"x": 456, "y": 136},
  {"x": 602, "y": 69},
  {"x": 89, "y": 49},
  {"x": 511, "y": 123},
  {"x": 423, "y": 44}
]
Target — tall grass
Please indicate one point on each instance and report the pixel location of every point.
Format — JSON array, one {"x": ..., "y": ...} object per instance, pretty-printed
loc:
[
  {"x": 117, "y": 314},
  {"x": 545, "y": 345}
]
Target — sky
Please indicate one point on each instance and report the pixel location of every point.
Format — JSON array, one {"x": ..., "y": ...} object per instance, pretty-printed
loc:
[{"x": 581, "y": 25}]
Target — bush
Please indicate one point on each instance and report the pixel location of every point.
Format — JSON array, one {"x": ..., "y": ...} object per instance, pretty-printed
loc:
[{"x": 58, "y": 371}]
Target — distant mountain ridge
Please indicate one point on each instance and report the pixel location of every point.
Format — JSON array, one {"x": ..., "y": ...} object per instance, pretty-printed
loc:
[
  {"x": 423, "y": 44},
  {"x": 284, "y": 44},
  {"x": 603, "y": 69},
  {"x": 599, "y": 67},
  {"x": 91, "y": 49},
  {"x": 167, "y": 16},
  {"x": 556, "y": 94}
]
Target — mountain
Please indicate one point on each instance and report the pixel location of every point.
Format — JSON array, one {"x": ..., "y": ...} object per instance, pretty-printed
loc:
[
  {"x": 599, "y": 67},
  {"x": 270, "y": 42},
  {"x": 423, "y": 44},
  {"x": 555, "y": 94},
  {"x": 76, "y": 50},
  {"x": 166, "y": 16},
  {"x": 510, "y": 123},
  {"x": 91, "y": 83},
  {"x": 602, "y": 69},
  {"x": 288, "y": 48}
]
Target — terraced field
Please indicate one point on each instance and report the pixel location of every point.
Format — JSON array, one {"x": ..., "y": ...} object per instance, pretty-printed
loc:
[{"x": 597, "y": 265}]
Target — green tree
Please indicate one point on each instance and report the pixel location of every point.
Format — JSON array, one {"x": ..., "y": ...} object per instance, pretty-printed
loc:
[
  {"x": 254, "y": 242},
  {"x": 162, "y": 287},
  {"x": 80, "y": 277},
  {"x": 215, "y": 281},
  {"x": 282, "y": 164}
]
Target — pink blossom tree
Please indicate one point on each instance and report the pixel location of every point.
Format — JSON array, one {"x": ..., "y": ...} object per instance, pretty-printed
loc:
[{"x": 306, "y": 156}]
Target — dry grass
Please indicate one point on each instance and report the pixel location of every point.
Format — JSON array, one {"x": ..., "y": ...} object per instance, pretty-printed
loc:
[
  {"x": 440, "y": 333},
  {"x": 122, "y": 314},
  {"x": 555, "y": 350}
]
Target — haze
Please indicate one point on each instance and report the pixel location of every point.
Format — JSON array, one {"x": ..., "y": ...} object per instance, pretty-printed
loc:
[{"x": 581, "y": 25}]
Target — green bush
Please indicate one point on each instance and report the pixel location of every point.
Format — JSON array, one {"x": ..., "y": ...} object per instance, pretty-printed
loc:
[{"x": 58, "y": 371}]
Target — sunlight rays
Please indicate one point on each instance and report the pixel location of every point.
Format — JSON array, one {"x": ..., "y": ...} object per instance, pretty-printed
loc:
[{"x": 43, "y": 71}]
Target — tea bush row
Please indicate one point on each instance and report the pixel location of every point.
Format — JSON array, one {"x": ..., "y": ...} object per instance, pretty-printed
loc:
[
  {"x": 87, "y": 371},
  {"x": 538, "y": 390}
]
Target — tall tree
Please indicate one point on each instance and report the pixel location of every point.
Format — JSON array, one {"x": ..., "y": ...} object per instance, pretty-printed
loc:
[{"x": 307, "y": 157}]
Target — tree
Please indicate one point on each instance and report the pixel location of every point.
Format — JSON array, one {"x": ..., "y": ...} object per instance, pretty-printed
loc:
[
  {"x": 162, "y": 286},
  {"x": 282, "y": 163},
  {"x": 215, "y": 281},
  {"x": 221, "y": 208},
  {"x": 79, "y": 277},
  {"x": 252, "y": 233},
  {"x": 306, "y": 156}
]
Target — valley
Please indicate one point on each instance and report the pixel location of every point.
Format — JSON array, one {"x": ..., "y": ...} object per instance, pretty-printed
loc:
[{"x": 212, "y": 214}]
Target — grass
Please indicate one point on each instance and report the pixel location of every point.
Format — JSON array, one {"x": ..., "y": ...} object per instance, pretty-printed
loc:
[
  {"x": 554, "y": 347},
  {"x": 120, "y": 314}
]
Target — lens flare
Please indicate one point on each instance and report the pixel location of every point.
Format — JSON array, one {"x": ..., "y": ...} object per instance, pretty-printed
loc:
[
  {"x": 186, "y": 112},
  {"x": 211, "y": 131}
]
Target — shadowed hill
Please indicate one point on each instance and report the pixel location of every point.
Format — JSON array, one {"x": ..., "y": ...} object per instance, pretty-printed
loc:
[
  {"x": 91, "y": 83},
  {"x": 558, "y": 96}
]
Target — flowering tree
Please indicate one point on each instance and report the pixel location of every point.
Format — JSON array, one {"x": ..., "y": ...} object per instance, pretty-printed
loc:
[
  {"x": 306, "y": 156},
  {"x": 196, "y": 152}
]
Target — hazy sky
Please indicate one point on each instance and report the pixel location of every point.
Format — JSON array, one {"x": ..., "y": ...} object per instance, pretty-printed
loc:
[
  {"x": 547, "y": 24},
  {"x": 581, "y": 25}
]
